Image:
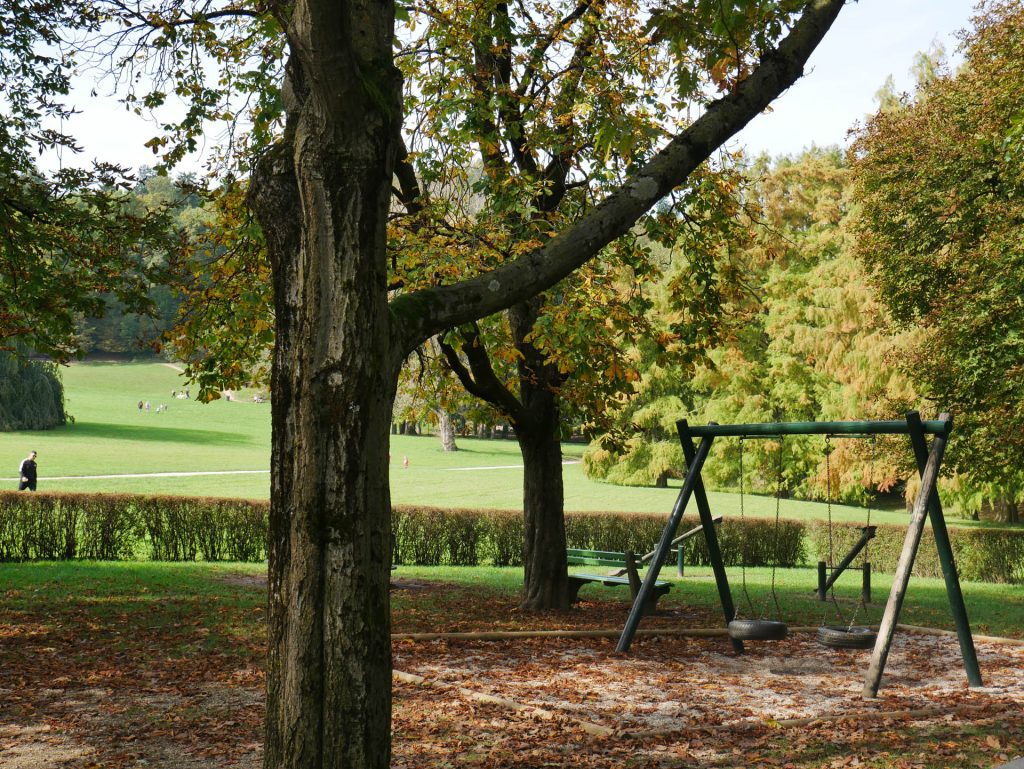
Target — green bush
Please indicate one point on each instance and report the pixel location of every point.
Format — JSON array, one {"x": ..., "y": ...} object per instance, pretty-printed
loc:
[
  {"x": 752, "y": 542},
  {"x": 503, "y": 542},
  {"x": 122, "y": 526},
  {"x": 109, "y": 527},
  {"x": 31, "y": 393},
  {"x": 984, "y": 555},
  {"x": 49, "y": 526}
]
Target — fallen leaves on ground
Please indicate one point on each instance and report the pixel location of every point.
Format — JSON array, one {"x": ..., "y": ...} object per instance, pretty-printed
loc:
[{"x": 111, "y": 681}]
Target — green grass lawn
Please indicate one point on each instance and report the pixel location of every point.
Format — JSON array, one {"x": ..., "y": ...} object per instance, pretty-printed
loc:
[
  {"x": 113, "y": 588},
  {"x": 110, "y": 436}
]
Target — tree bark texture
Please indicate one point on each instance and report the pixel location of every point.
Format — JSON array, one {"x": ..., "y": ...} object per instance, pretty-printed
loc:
[
  {"x": 545, "y": 578},
  {"x": 539, "y": 432},
  {"x": 322, "y": 198},
  {"x": 447, "y": 430}
]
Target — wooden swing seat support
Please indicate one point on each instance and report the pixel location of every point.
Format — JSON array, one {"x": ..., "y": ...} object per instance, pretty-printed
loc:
[
  {"x": 927, "y": 505},
  {"x": 825, "y": 581}
]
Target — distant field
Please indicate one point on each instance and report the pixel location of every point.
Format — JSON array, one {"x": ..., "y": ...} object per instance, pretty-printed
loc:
[{"x": 110, "y": 436}]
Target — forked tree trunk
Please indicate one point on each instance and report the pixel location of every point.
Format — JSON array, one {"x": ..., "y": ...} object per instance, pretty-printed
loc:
[{"x": 539, "y": 431}]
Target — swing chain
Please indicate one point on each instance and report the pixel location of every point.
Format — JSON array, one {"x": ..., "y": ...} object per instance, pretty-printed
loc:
[
  {"x": 829, "y": 448},
  {"x": 867, "y": 546},
  {"x": 775, "y": 543},
  {"x": 743, "y": 542}
]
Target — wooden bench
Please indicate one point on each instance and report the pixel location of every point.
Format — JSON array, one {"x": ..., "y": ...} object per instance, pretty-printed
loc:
[{"x": 624, "y": 561}]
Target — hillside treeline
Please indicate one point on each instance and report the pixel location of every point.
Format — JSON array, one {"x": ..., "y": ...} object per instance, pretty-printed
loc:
[{"x": 118, "y": 330}]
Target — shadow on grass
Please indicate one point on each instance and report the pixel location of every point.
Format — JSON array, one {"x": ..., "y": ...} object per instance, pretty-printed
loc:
[{"x": 157, "y": 434}]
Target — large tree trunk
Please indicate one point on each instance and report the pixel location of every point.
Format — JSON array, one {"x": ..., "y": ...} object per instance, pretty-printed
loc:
[
  {"x": 322, "y": 200},
  {"x": 538, "y": 430},
  {"x": 545, "y": 582}
]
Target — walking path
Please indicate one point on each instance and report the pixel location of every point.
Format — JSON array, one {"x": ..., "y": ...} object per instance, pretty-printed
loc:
[
  {"x": 147, "y": 475},
  {"x": 189, "y": 474},
  {"x": 510, "y": 467}
]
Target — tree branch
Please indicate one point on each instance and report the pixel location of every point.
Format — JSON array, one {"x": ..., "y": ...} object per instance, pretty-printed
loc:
[
  {"x": 508, "y": 104},
  {"x": 557, "y": 170},
  {"x": 421, "y": 314},
  {"x": 487, "y": 134},
  {"x": 409, "y": 191},
  {"x": 483, "y": 383}
]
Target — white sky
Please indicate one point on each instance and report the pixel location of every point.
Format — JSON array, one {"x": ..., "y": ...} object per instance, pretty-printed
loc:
[{"x": 871, "y": 40}]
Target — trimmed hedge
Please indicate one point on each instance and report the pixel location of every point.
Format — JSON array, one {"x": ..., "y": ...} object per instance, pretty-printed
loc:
[
  {"x": 48, "y": 526},
  {"x": 428, "y": 536},
  {"x": 983, "y": 555},
  {"x": 113, "y": 527}
]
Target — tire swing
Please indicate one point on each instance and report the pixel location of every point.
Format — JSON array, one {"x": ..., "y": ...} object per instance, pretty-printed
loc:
[
  {"x": 848, "y": 635},
  {"x": 758, "y": 629}
]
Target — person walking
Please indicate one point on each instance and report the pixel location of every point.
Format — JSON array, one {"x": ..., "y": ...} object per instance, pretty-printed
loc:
[{"x": 27, "y": 471}]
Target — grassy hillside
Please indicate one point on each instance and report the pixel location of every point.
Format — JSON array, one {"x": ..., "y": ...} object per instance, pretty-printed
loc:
[{"x": 110, "y": 436}]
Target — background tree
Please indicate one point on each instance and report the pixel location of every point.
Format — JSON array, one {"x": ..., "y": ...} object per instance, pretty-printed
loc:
[
  {"x": 940, "y": 184},
  {"x": 67, "y": 239},
  {"x": 523, "y": 122},
  {"x": 803, "y": 338},
  {"x": 31, "y": 393}
]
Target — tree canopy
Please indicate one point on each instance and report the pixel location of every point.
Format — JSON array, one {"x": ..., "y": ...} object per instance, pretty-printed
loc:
[
  {"x": 802, "y": 338},
  {"x": 68, "y": 238},
  {"x": 940, "y": 178}
]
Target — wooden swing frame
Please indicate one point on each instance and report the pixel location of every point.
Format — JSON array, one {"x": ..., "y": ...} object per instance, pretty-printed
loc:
[{"x": 926, "y": 504}]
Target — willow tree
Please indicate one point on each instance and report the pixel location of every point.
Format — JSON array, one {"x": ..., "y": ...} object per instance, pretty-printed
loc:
[{"x": 322, "y": 190}]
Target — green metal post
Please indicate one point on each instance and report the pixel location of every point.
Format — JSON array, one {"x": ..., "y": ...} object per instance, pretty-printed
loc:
[
  {"x": 664, "y": 545},
  {"x": 710, "y": 536},
  {"x": 892, "y": 427},
  {"x": 949, "y": 572}
]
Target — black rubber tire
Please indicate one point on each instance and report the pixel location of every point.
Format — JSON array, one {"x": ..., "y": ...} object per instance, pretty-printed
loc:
[
  {"x": 856, "y": 637},
  {"x": 757, "y": 630}
]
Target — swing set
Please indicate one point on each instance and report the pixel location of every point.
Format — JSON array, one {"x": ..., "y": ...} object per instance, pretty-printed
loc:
[{"x": 847, "y": 634}]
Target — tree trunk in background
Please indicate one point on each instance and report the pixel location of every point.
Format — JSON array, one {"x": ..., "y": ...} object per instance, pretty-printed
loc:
[
  {"x": 322, "y": 200},
  {"x": 545, "y": 580},
  {"x": 1003, "y": 510},
  {"x": 539, "y": 432},
  {"x": 447, "y": 430}
]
